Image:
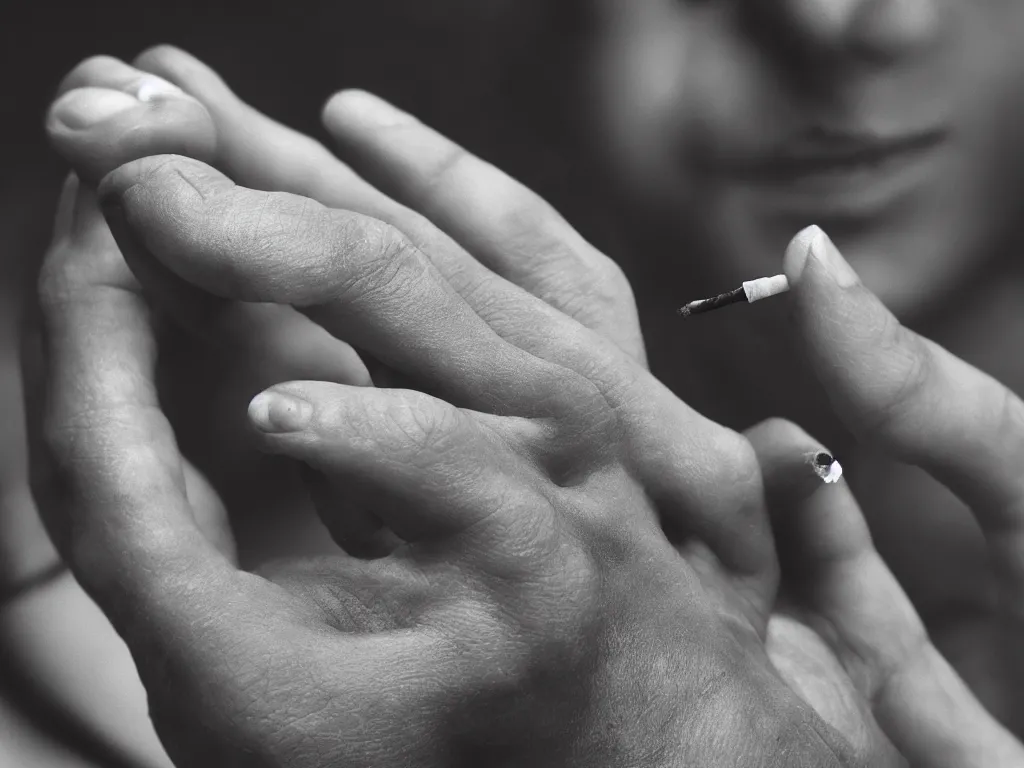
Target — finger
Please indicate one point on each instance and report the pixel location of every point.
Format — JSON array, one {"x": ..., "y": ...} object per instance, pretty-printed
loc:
[
  {"x": 253, "y": 149},
  {"x": 101, "y": 102},
  {"x": 731, "y": 515},
  {"x": 502, "y": 223},
  {"x": 121, "y": 513},
  {"x": 788, "y": 459},
  {"x": 913, "y": 399},
  {"x": 432, "y": 468},
  {"x": 845, "y": 591},
  {"x": 359, "y": 279},
  {"x": 96, "y": 140},
  {"x": 259, "y": 153},
  {"x": 122, "y": 517},
  {"x": 507, "y": 312}
]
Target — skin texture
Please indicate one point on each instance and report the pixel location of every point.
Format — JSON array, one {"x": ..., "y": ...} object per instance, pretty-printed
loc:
[{"x": 534, "y": 488}]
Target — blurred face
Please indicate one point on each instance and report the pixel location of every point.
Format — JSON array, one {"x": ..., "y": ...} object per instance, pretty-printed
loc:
[{"x": 896, "y": 125}]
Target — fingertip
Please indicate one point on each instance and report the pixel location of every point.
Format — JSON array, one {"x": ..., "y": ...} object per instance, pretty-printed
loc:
[
  {"x": 797, "y": 252},
  {"x": 354, "y": 106},
  {"x": 93, "y": 70},
  {"x": 858, "y": 349},
  {"x": 162, "y": 56},
  {"x": 277, "y": 411},
  {"x": 788, "y": 458},
  {"x": 184, "y": 70},
  {"x": 169, "y": 172},
  {"x": 83, "y": 108},
  {"x": 97, "y": 129}
]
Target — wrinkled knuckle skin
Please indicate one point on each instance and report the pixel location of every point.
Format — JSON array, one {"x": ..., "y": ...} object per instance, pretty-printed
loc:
[
  {"x": 379, "y": 261},
  {"x": 423, "y": 431}
]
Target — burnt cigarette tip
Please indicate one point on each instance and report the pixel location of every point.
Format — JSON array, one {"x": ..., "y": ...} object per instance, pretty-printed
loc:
[{"x": 826, "y": 467}]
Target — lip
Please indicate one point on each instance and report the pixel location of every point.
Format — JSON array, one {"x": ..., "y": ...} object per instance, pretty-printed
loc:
[{"x": 841, "y": 172}]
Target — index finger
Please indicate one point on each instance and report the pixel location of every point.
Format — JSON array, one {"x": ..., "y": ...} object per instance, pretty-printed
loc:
[
  {"x": 914, "y": 399},
  {"x": 362, "y": 280}
]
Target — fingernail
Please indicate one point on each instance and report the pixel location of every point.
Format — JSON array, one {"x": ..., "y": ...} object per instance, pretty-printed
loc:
[
  {"x": 85, "y": 107},
  {"x": 825, "y": 252},
  {"x": 275, "y": 412},
  {"x": 374, "y": 109},
  {"x": 797, "y": 251},
  {"x": 152, "y": 86}
]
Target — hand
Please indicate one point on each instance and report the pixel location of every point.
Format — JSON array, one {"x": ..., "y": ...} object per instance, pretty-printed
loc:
[
  {"x": 906, "y": 397},
  {"x": 537, "y": 610},
  {"x": 191, "y": 110},
  {"x": 846, "y": 636},
  {"x": 810, "y": 655},
  {"x": 259, "y": 346},
  {"x": 433, "y": 184}
]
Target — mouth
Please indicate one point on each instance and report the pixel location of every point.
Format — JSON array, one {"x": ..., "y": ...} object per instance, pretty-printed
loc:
[{"x": 823, "y": 171}]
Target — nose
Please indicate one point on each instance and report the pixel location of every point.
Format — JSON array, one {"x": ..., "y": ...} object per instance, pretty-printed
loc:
[{"x": 873, "y": 30}]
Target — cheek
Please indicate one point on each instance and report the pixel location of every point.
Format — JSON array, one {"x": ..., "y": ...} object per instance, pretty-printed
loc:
[
  {"x": 636, "y": 82},
  {"x": 972, "y": 212}
]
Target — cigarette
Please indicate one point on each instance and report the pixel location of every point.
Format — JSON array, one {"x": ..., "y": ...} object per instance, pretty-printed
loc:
[
  {"x": 750, "y": 291},
  {"x": 825, "y": 466}
]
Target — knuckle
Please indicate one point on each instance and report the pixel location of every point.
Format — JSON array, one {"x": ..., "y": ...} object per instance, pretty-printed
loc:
[
  {"x": 269, "y": 223},
  {"x": 414, "y": 430},
  {"x": 380, "y": 262},
  {"x": 276, "y": 242},
  {"x": 589, "y": 287},
  {"x": 606, "y": 298},
  {"x": 426, "y": 428}
]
